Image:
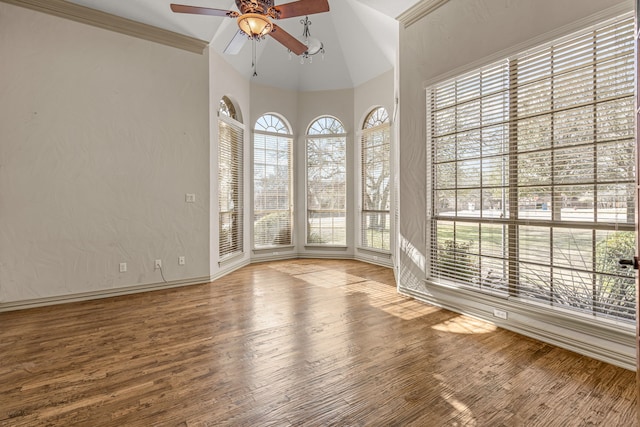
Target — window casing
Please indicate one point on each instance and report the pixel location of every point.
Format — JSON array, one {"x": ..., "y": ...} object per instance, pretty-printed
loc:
[
  {"x": 230, "y": 181},
  {"x": 326, "y": 183},
  {"x": 375, "y": 181},
  {"x": 272, "y": 182},
  {"x": 531, "y": 175}
]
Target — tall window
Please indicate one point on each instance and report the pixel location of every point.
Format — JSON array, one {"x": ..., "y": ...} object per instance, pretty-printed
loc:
[
  {"x": 272, "y": 174},
  {"x": 375, "y": 221},
  {"x": 230, "y": 191},
  {"x": 532, "y": 175},
  {"x": 326, "y": 182}
]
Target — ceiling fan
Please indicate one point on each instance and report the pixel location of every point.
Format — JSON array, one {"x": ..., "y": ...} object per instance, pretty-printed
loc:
[{"x": 254, "y": 20}]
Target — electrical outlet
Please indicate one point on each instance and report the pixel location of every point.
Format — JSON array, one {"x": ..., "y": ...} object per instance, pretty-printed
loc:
[
  {"x": 158, "y": 264},
  {"x": 181, "y": 260},
  {"x": 501, "y": 314},
  {"x": 190, "y": 198},
  {"x": 123, "y": 267}
]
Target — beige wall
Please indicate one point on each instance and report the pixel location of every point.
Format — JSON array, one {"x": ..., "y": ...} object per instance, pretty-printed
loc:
[{"x": 101, "y": 136}]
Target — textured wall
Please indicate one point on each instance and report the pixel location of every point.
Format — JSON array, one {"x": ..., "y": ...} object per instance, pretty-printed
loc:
[{"x": 101, "y": 136}]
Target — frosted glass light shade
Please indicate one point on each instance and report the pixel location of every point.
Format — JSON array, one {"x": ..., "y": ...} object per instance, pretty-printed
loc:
[{"x": 255, "y": 25}]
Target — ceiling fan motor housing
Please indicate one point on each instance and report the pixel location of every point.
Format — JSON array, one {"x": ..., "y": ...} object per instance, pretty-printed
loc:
[{"x": 263, "y": 7}]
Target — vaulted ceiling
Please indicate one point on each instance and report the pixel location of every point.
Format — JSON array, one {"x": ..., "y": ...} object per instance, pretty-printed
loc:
[{"x": 360, "y": 39}]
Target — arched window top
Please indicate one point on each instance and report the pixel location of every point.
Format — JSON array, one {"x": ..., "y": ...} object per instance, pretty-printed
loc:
[
  {"x": 272, "y": 123},
  {"x": 378, "y": 116},
  {"x": 226, "y": 108},
  {"x": 326, "y": 126}
]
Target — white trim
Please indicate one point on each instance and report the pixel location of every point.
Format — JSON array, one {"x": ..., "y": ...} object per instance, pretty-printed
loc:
[
  {"x": 326, "y": 247},
  {"x": 419, "y": 11},
  {"x": 232, "y": 121},
  {"x": 383, "y": 260},
  {"x": 230, "y": 258},
  {"x": 231, "y": 269},
  {"x": 273, "y": 257},
  {"x": 374, "y": 251},
  {"x": 554, "y": 35},
  {"x": 273, "y": 248},
  {"x": 105, "y": 293},
  {"x": 323, "y": 256},
  {"x": 275, "y": 134},
  {"x": 96, "y": 18}
]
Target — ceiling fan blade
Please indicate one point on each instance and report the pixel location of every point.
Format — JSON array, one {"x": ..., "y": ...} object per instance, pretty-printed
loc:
[
  {"x": 286, "y": 39},
  {"x": 302, "y": 7},
  {"x": 236, "y": 43},
  {"x": 196, "y": 10}
]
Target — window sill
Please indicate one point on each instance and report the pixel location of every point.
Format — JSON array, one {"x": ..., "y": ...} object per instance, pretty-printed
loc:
[
  {"x": 326, "y": 247},
  {"x": 230, "y": 259},
  {"x": 374, "y": 251},
  {"x": 271, "y": 249}
]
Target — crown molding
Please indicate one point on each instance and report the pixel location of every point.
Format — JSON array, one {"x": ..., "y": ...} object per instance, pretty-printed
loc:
[
  {"x": 419, "y": 11},
  {"x": 107, "y": 21}
]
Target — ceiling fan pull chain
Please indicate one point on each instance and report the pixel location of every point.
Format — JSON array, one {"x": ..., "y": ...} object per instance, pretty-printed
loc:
[{"x": 254, "y": 63}]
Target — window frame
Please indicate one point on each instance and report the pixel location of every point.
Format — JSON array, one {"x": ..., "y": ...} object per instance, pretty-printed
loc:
[
  {"x": 376, "y": 122},
  {"x": 512, "y": 294},
  {"x": 343, "y": 135},
  {"x": 288, "y": 135},
  {"x": 227, "y": 118}
]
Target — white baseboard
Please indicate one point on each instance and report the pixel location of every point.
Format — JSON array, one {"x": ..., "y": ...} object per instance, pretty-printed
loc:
[
  {"x": 607, "y": 344},
  {"x": 104, "y": 293}
]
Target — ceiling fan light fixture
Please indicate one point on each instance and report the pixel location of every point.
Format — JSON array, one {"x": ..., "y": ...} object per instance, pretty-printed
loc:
[{"x": 255, "y": 25}]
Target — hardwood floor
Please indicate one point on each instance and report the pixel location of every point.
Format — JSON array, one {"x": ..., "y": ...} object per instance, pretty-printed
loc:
[{"x": 303, "y": 343}]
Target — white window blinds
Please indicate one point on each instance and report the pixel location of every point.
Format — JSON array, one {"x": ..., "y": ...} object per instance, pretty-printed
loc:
[
  {"x": 532, "y": 171},
  {"x": 326, "y": 183},
  {"x": 230, "y": 188},
  {"x": 375, "y": 181},
  {"x": 272, "y": 177}
]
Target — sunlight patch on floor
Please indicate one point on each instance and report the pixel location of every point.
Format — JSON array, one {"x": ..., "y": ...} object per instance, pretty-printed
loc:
[
  {"x": 465, "y": 325},
  {"x": 329, "y": 278},
  {"x": 380, "y": 295},
  {"x": 296, "y": 268},
  {"x": 385, "y": 298}
]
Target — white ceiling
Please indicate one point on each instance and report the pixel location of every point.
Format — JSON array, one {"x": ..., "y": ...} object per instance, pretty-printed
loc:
[{"x": 359, "y": 36}]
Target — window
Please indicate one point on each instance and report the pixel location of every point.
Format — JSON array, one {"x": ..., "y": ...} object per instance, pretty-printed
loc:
[
  {"x": 272, "y": 174},
  {"x": 531, "y": 164},
  {"x": 326, "y": 182},
  {"x": 230, "y": 191},
  {"x": 375, "y": 220}
]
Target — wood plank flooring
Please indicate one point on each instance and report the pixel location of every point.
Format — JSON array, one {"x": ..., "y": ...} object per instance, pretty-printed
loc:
[{"x": 292, "y": 343}]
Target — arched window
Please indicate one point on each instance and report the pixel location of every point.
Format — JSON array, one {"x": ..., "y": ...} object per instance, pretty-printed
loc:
[
  {"x": 375, "y": 184},
  {"x": 272, "y": 178},
  {"x": 226, "y": 108},
  {"x": 230, "y": 189},
  {"x": 326, "y": 182}
]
